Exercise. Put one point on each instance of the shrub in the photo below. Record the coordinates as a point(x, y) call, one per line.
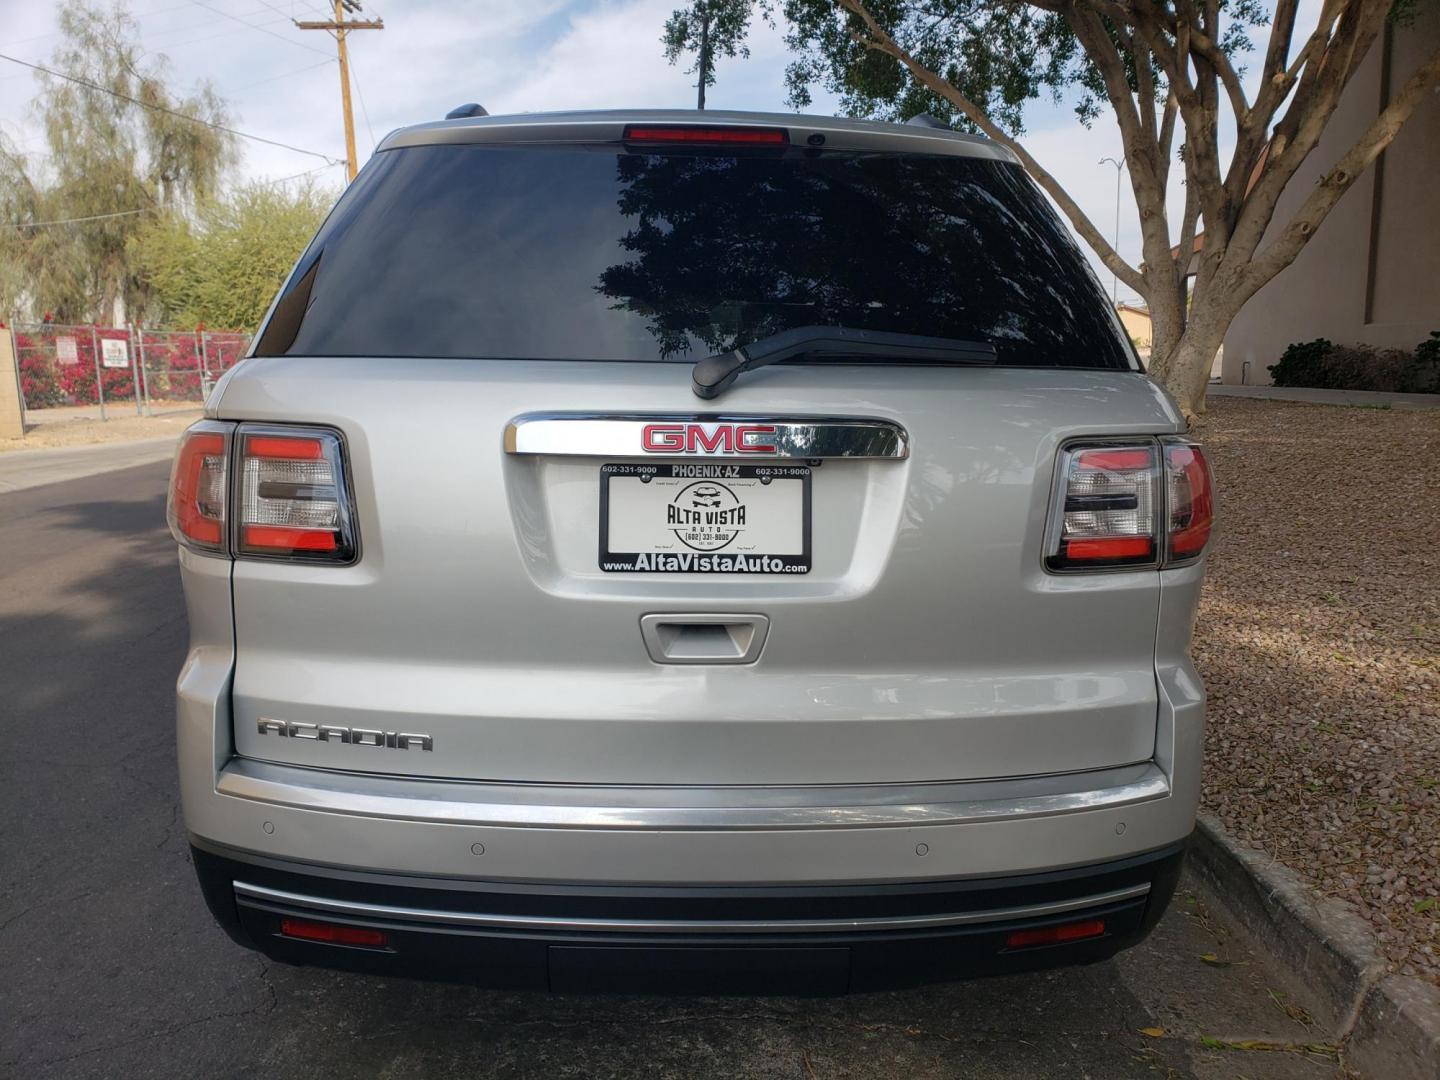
point(1425, 371)
point(1324, 365)
point(38, 382)
point(1301, 364)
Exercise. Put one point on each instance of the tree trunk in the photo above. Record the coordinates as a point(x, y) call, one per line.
point(1167, 318)
point(1185, 369)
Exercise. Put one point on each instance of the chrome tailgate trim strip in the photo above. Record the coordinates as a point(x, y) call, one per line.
point(526, 806)
point(687, 435)
point(356, 909)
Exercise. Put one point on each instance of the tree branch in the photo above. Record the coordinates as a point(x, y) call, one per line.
point(1277, 50)
point(878, 39)
point(1279, 254)
point(1202, 152)
point(1299, 130)
point(1167, 130)
point(1145, 89)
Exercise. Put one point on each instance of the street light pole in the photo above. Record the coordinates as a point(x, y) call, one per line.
point(1114, 277)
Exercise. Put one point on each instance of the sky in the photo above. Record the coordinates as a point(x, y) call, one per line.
point(509, 55)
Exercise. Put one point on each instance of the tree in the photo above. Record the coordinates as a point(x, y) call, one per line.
point(708, 28)
point(703, 229)
point(223, 265)
point(108, 154)
point(1167, 69)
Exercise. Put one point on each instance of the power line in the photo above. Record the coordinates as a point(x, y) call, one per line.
point(299, 175)
point(283, 75)
point(253, 26)
point(355, 73)
point(137, 17)
point(290, 15)
point(93, 217)
point(170, 112)
point(151, 48)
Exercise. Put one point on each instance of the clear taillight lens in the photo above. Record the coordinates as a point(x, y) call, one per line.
point(1189, 501)
point(1107, 516)
point(293, 500)
point(195, 506)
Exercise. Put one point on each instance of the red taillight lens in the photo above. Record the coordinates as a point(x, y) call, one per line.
point(1056, 935)
point(334, 934)
point(1107, 508)
point(195, 506)
point(293, 499)
point(707, 136)
point(1111, 511)
point(1190, 500)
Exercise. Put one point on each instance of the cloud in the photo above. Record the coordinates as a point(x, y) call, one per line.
point(610, 56)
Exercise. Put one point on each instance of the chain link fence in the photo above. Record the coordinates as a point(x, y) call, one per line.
point(121, 367)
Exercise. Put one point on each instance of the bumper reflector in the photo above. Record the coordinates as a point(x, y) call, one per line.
point(1055, 935)
point(333, 934)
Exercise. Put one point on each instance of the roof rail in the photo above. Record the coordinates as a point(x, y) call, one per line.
point(470, 109)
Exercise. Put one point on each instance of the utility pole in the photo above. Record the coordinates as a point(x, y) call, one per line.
point(339, 27)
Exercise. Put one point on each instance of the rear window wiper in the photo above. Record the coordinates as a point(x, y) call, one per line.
point(711, 376)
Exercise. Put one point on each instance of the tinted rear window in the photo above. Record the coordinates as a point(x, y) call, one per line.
point(593, 253)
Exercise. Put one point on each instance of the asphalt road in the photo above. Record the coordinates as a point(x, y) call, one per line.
point(110, 965)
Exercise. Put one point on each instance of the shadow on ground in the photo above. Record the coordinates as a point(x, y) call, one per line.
point(114, 968)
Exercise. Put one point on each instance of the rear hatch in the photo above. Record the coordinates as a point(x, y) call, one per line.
point(573, 570)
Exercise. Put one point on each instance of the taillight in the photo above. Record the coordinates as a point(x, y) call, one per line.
point(1113, 512)
point(1107, 503)
point(1189, 501)
point(195, 506)
point(292, 500)
point(706, 136)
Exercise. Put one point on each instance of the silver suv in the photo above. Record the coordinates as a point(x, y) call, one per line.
point(697, 551)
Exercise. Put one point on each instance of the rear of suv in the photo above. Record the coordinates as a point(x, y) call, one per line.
point(698, 551)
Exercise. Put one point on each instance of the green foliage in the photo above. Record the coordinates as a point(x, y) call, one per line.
point(106, 155)
point(1324, 365)
point(1301, 363)
point(1001, 54)
point(223, 266)
point(707, 28)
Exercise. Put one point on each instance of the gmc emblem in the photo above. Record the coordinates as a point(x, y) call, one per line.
point(708, 438)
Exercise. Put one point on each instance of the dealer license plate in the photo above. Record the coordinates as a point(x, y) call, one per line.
point(705, 519)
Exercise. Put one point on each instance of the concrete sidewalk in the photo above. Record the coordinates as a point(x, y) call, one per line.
point(21, 469)
point(1309, 395)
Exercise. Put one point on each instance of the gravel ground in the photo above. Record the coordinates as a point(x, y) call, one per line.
point(1319, 640)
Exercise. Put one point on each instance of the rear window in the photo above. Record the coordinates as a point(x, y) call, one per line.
point(593, 253)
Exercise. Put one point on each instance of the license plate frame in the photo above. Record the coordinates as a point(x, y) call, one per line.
point(723, 488)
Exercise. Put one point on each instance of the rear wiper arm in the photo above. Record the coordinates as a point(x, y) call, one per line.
point(712, 375)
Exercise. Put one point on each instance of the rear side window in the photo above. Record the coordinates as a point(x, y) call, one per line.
point(595, 253)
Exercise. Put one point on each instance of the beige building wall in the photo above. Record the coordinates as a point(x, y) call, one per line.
point(1136, 323)
point(12, 408)
point(1371, 274)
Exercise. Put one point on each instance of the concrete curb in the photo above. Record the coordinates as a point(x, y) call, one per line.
point(1390, 1024)
point(1367, 399)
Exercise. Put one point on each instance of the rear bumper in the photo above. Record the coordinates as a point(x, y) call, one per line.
point(767, 939)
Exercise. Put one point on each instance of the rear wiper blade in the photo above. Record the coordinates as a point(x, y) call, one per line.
point(712, 375)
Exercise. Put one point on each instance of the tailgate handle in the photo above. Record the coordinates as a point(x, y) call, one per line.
point(710, 638)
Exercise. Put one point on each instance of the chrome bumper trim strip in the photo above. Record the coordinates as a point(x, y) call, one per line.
point(537, 806)
point(355, 909)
